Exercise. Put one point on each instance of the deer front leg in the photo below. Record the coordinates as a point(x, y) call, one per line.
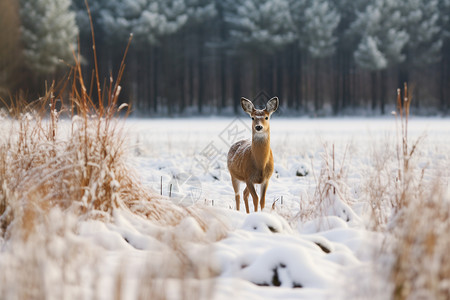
point(264, 186)
point(246, 192)
point(236, 183)
point(252, 191)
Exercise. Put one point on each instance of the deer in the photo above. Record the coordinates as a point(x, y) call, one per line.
point(251, 162)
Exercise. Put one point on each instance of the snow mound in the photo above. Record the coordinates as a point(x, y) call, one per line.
point(321, 224)
point(342, 210)
point(265, 222)
point(286, 259)
point(287, 266)
point(302, 170)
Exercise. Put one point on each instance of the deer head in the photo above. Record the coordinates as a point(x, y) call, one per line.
point(260, 117)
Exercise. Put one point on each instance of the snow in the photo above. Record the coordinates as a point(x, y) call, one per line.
point(279, 253)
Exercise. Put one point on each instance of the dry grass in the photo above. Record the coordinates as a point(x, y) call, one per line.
point(421, 268)
point(330, 185)
point(180, 274)
point(420, 225)
point(81, 167)
point(67, 151)
point(413, 213)
point(395, 178)
point(406, 179)
point(49, 263)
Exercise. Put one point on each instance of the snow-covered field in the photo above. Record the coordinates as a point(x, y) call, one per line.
point(315, 239)
point(189, 157)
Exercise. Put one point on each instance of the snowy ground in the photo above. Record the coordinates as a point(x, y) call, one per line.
point(294, 249)
point(185, 158)
point(196, 149)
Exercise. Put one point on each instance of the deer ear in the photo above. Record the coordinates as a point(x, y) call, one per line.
point(272, 105)
point(247, 105)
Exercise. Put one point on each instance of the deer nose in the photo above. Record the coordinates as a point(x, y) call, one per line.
point(258, 127)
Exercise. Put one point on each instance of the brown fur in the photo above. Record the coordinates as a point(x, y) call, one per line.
point(252, 162)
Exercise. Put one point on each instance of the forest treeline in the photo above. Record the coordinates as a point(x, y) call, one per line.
point(200, 56)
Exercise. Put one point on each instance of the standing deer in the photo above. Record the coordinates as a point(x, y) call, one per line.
point(252, 162)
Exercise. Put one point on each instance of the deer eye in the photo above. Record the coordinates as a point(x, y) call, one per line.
point(253, 118)
point(267, 118)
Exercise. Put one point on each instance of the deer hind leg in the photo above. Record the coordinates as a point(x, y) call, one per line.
point(252, 191)
point(246, 192)
point(263, 194)
point(236, 184)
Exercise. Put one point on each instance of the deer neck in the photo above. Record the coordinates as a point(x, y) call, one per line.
point(261, 149)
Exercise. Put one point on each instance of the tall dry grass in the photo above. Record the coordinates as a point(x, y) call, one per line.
point(421, 268)
point(396, 178)
point(79, 164)
point(420, 225)
point(412, 210)
point(330, 186)
point(67, 150)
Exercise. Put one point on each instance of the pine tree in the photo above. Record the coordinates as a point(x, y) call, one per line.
point(421, 22)
point(316, 23)
point(382, 22)
point(383, 39)
point(444, 22)
point(368, 56)
point(147, 20)
point(199, 11)
point(320, 22)
point(265, 25)
point(82, 18)
point(347, 42)
point(49, 34)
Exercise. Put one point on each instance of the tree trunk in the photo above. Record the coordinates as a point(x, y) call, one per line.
point(337, 71)
point(236, 84)
point(445, 79)
point(222, 56)
point(182, 75)
point(299, 81)
point(200, 84)
point(155, 79)
point(317, 100)
point(383, 90)
point(292, 80)
point(223, 81)
point(279, 74)
point(403, 75)
point(191, 81)
point(373, 89)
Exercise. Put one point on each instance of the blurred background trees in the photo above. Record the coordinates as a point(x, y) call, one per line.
point(11, 74)
point(320, 57)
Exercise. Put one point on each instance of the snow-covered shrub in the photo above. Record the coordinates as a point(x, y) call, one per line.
point(396, 177)
point(331, 196)
point(48, 264)
point(57, 175)
point(78, 165)
point(421, 264)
